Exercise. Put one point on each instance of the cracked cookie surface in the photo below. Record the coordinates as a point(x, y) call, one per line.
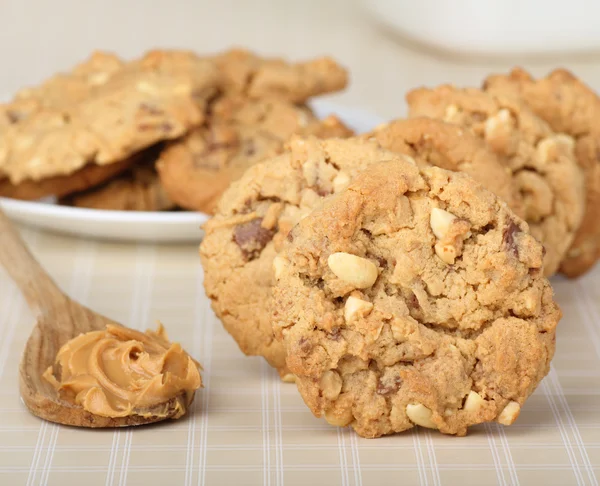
point(542, 162)
point(252, 222)
point(414, 297)
point(571, 107)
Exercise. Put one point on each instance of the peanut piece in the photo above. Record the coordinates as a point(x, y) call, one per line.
point(420, 415)
point(340, 181)
point(331, 384)
point(271, 216)
point(509, 414)
point(381, 126)
point(447, 253)
point(409, 159)
point(98, 78)
point(356, 307)
point(440, 222)
point(278, 264)
point(451, 112)
point(309, 171)
point(552, 147)
point(302, 118)
point(339, 418)
point(474, 402)
point(546, 150)
point(354, 270)
point(147, 88)
point(565, 141)
point(309, 199)
point(500, 120)
point(288, 378)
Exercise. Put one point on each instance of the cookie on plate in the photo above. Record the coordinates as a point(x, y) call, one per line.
point(58, 92)
point(542, 162)
point(452, 147)
point(251, 223)
point(102, 117)
point(137, 189)
point(238, 133)
point(414, 297)
point(571, 107)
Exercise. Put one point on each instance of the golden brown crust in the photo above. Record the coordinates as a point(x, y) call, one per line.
point(568, 106)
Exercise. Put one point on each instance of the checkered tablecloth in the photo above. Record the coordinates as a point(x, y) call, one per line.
point(249, 428)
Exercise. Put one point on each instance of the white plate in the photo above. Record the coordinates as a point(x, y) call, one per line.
point(144, 226)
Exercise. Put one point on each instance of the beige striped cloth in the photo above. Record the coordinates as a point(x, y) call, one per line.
point(249, 428)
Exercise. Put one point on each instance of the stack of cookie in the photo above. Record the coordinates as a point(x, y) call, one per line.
point(400, 277)
point(168, 130)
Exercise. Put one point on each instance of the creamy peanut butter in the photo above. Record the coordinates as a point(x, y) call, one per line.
point(118, 372)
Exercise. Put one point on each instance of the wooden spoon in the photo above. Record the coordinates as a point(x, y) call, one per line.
point(59, 319)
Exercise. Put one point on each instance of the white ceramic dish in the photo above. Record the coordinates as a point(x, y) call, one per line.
point(143, 226)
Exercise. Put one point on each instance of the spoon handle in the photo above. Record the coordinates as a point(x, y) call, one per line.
point(38, 288)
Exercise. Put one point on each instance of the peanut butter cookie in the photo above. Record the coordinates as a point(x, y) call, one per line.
point(571, 107)
point(542, 162)
point(99, 115)
point(251, 223)
point(414, 297)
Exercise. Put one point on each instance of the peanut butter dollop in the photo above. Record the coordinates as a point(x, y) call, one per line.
point(118, 372)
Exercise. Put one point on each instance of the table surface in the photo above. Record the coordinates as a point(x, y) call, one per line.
point(246, 426)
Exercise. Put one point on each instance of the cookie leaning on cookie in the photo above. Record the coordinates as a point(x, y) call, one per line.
point(571, 107)
point(414, 297)
point(542, 162)
point(261, 103)
point(251, 223)
point(100, 115)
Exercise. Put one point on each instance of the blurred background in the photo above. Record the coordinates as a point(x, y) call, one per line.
point(389, 46)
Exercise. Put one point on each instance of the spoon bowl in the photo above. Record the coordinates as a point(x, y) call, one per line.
point(58, 320)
